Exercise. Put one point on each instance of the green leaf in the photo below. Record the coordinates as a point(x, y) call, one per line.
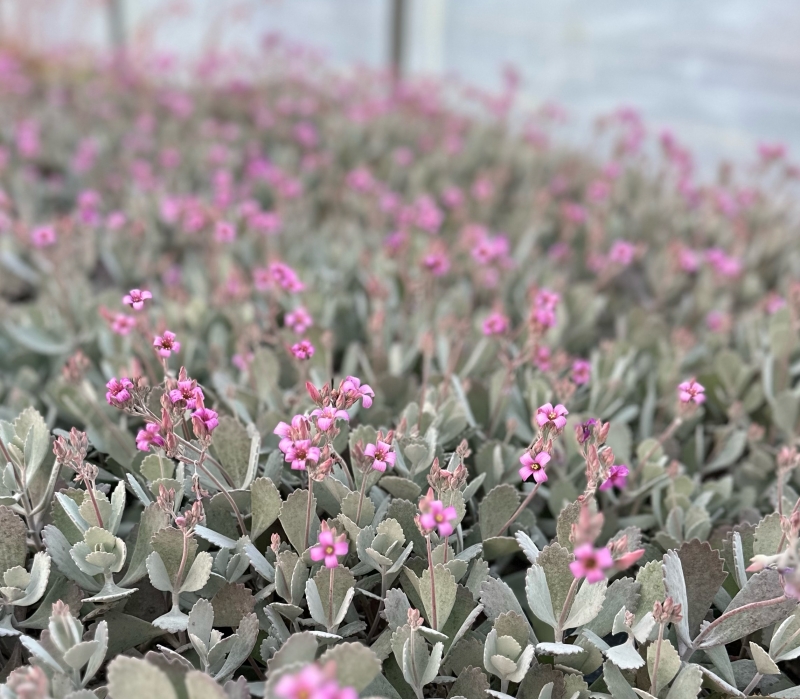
point(445, 589)
point(623, 592)
point(554, 560)
point(471, 683)
point(764, 664)
point(198, 574)
point(703, 571)
point(343, 582)
point(131, 678)
point(151, 520)
point(40, 574)
point(299, 648)
point(168, 543)
point(616, 682)
point(231, 446)
point(675, 586)
point(13, 547)
point(688, 683)
point(496, 508)
point(587, 604)
point(201, 686)
point(293, 519)
point(738, 624)
point(350, 508)
point(157, 466)
point(356, 665)
point(59, 549)
point(538, 595)
point(265, 504)
point(668, 665)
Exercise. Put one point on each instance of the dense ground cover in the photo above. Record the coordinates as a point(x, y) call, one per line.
point(315, 387)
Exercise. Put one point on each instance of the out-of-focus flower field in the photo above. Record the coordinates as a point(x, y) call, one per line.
point(318, 385)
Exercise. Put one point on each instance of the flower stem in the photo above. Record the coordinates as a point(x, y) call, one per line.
point(361, 498)
point(654, 680)
point(179, 577)
point(525, 503)
point(434, 620)
point(308, 511)
point(562, 619)
point(380, 608)
point(753, 683)
point(330, 600)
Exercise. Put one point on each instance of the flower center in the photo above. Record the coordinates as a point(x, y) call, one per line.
point(552, 416)
point(439, 518)
point(329, 550)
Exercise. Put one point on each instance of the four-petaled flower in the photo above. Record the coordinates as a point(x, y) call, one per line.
point(326, 417)
point(299, 320)
point(149, 435)
point(554, 416)
point(591, 563)
point(534, 466)
point(617, 478)
point(435, 516)
point(290, 433)
point(329, 547)
point(187, 392)
point(382, 455)
point(689, 391)
point(123, 324)
point(495, 324)
point(581, 371)
point(166, 344)
point(303, 349)
point(205, 419)
point(135, 298)
point(353, 389)
point(118, 391)
point(300, 452)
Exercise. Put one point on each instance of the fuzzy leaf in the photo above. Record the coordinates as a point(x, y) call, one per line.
point(764, 664)
point(496, 509)
point(587, 604)
point(688, 683)
point(668, 664)
point(152, 520)
point(293, 519)
point(356, 665)
point(703, 571)
point(132, 678)
point(265, 504)
point(13, 549)
point(675, 586)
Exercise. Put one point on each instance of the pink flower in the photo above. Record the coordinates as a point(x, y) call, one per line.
point(186, 394)
point(118, 391)
point(574, 213)
point(382, 455)
point(242, 361)
point(299, 320)
point(123, 324)
point(591, 563)
point(581, 371)
point(300, 452)
point(436, 516)
point(166, 344)
point(548, 415)
point(327, 416)
point(310, 683)
point(149, 435)
point(622, 252)
point(204, 421)
point(691, 391)
point(135, 298)
point(298, 430)
point(689, 260)
point(303, 349)
point(428, 216)
point(115, 220)
point(534, 466)
point(617, 478)
point(353, 389)
point(541, 358)
point(329, 547)
point(43, 236)
point(437, 262)
point(224, 232)
point(285, 277)
point(495, 324)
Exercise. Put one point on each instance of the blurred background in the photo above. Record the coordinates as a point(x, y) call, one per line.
point(724, 76)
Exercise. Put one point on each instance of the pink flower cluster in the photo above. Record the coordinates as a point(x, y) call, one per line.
point(312, 683)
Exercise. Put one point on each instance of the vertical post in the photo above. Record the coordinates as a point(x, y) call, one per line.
point(397, 38)
point(116, 25)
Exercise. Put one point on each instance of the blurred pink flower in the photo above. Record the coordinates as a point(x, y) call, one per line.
point(591, 563)
point(303, 349)
point(135, 298)
point(617, 478)
point(166, 344)
point(689, 391)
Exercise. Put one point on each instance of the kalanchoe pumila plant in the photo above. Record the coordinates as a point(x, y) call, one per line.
point(314, 386)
